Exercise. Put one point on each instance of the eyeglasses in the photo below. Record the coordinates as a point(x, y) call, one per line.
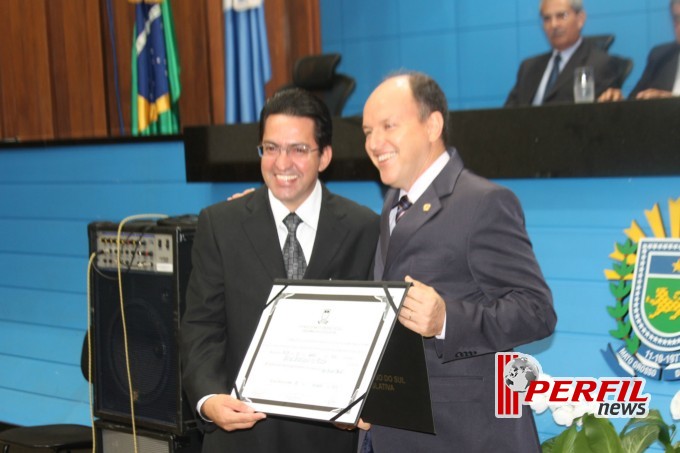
point(296, 151)
point(559, 17)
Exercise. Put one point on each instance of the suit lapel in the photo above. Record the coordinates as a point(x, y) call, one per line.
point(390, 199)
point(423, 210)
point(534, 77)
point(566, 77)
point(330, 235)
point(669, 66)
point(260, 229)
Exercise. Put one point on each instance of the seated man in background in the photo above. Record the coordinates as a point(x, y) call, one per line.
point(661, 78)
point(548, 78)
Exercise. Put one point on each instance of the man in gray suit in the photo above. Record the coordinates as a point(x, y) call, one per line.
point(238, 252)
point(549, 78)
point(661, 76)
point(477, 288)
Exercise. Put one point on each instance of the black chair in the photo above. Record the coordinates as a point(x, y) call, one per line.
point(316, 73)
point(602, 42)
point(624, 67)
point(62, 438)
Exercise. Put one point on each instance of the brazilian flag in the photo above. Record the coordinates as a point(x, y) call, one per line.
point(155, 70)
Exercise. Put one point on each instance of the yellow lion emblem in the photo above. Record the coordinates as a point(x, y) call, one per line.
point(664, 304)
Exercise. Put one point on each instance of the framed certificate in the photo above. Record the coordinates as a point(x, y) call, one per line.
point(317, 347)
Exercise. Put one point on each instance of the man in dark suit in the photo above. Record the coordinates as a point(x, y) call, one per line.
point(478, 289)
point(661, 78)
point(549, 78)
point(237, 253)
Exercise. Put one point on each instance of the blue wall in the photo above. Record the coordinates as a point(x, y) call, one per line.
point(48, 196)
point(472, 48)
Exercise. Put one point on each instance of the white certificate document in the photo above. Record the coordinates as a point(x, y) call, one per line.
point(317, 347)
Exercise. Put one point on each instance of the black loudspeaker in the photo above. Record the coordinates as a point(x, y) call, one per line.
point(155, 263)
point(117, 438)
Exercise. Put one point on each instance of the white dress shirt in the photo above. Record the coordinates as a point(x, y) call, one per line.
point(676, 85)
point(417, 189)
point(308, 211)
point(565, 55)
point(421, 184)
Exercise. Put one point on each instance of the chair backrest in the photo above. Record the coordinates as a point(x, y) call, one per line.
point(602, 42)
point(316, 73)
point(624, 67)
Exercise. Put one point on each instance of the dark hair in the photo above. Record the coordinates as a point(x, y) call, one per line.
point(429, 97)
point(301, 103)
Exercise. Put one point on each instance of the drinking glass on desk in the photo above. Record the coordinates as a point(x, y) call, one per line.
point(584, 84)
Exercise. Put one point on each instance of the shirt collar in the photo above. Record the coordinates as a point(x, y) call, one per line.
point(308, 211)
point(566, 54)
point(423, 182)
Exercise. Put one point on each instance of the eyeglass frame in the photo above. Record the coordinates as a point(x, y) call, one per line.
point(559, 17)
point(297, 155)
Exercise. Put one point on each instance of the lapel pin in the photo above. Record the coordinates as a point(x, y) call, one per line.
point(426, 207)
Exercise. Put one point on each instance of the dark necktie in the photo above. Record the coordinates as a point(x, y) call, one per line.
point(554, 73)
point(402, 206)
point(293, 258)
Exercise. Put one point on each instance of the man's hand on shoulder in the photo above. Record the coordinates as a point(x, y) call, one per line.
point(240, 194)
point(229, 413)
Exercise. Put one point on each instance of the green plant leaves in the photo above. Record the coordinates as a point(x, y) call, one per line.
point(599, 436)
point(564, 443)
point(654, 419)
point(639, 439)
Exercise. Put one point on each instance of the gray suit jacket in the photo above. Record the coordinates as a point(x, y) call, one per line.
point(659, 73)
point(236, 256)
point(531, 71)
point(471, 245)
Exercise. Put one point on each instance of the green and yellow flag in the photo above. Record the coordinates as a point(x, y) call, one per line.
point(155, 70)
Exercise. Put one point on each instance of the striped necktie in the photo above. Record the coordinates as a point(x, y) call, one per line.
point(402, 206)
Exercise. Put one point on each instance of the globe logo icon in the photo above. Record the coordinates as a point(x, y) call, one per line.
point(519, 373)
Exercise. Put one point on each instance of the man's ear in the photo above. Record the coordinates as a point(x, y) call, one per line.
point(325, 158)
point(435, 126)
point(581, 15)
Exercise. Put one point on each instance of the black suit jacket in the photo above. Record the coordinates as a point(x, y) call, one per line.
point(662, 64)
point(236, 256)
point(465, 237)
point(531, 71)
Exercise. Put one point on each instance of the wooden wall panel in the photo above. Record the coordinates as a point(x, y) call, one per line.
point(117, 28)
point(65, 65)
point(77, 68)
point(25, 85)
point(293, 31)
point(192, 44)
point(305, 36)
point(215, 29)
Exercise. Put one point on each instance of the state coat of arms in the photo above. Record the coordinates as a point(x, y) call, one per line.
point(645, 280)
